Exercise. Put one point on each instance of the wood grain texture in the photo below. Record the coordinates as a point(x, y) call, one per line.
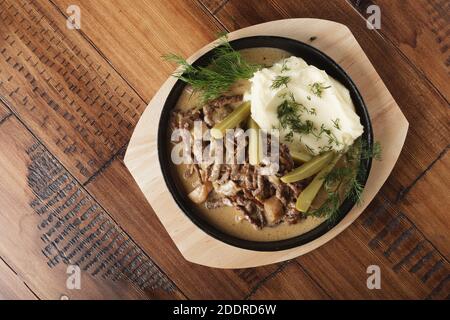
point(132, 210)
point(342, 272)
point(51, 222)
point(429, 125)
point(4, 112)
point(384, 243)
point(421, 30)
point(404, 248)
point(424, 204)
point(11, 286)
point(133, 35)
point(61, 88)
point(291, 282)
point(214, 5)
point(80, 93)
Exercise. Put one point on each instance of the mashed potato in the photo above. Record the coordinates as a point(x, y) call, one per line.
point(313, 111)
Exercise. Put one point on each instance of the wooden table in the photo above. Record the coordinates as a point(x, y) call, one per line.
point(69, 100)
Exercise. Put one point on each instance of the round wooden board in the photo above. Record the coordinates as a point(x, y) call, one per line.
point(389, 124)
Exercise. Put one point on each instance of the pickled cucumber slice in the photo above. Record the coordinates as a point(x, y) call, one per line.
point(299, 156)
point(309, 168)
point(308, 195)
point(238, 115)
point(253, 142)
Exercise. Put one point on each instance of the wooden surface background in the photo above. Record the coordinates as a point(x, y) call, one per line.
point(69, 100)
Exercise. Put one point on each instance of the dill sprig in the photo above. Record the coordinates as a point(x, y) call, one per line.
point(361, 149)
point(374, 152)
point(284, 66)
point(227, 66)
point(289, 114)
point(329, 209)
point(280, 81)
point(317, 88)
point(336, 123)
point(349, 177)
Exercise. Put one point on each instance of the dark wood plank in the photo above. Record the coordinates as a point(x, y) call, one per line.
point(11, 286)
point(404, 248)
point(343, 271)
point(382, 236)
point(62, 89)
point(131, 210)
point(133, 35)
point(48, 221)
point(428, 202)
point(4, 112)
point(421, 30)
point(214, 5)
point(291, 282)
point(428, 125)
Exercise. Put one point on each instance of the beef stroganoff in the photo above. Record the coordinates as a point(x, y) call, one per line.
point(265, 145)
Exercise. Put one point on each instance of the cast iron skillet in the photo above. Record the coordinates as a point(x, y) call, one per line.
point(311, 56)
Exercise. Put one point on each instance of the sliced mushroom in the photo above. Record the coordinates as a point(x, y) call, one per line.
point(273, 210)
point(227, 189)
point(215, 172)
point(200, 194)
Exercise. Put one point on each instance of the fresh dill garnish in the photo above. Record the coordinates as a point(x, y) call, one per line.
point(317, 88)
point(324, 130)
point(329, 209)
point(227, 66)
point(284, 66)
point(323, 149)
point(283, 95)
point(310, 150)
point(374, 152)
point(280, 81)
point(289, 114)
point(355, 190)
point(336, 175)
point(331, 136)
point(308, 97)
point(349, 177)
point(337, 124)
point(332, 139)
point(289, 136)
point(361, 150)
point(345, 181)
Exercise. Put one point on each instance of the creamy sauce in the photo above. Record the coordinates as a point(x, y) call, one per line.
point(224, 218)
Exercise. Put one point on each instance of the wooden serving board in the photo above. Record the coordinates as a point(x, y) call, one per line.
point(389, 125)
